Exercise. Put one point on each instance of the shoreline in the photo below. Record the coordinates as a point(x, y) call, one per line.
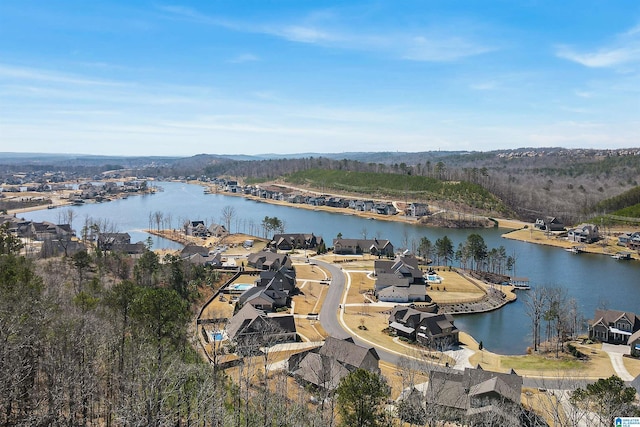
point(538, 237)
point(511, 224)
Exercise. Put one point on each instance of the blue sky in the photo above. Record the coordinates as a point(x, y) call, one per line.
point(251, 77)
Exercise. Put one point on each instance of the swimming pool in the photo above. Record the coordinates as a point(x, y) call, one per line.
point(240, 286)
point(216, 336)
point(434, 278)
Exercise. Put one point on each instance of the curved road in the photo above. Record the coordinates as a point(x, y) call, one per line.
point(330, 321)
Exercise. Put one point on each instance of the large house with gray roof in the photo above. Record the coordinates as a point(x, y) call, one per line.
point(268, 260)
point(431, 330)
point(474, 396)
point(325, 366)
point(251, 329)
point(400, 280)
point(378, 247)
point(613, 327)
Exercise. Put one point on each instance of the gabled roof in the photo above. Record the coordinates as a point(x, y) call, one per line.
point(607, 317)
point(193, 249)
point(321, 370)
point(346, 351)
point(454, 388)
point(243, 318)
point(636, 384)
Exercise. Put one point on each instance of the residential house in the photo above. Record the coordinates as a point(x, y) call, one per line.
point(418, 209)
point(584, 233)
point(403, 294)
point(549, 223)
point(55, 247)
point(107, 241)
point(362, 205)
point(385, 209)
point(217, 230)
point(363, 246)
point(403, 271)
point(634, 242)
point(326, 366)
point(191, 249)
point(272, 290)
point(251, 328)
point(195, 228)
point(428, 329)
point(267, 260)
point(613, 327)
point(474, 396)
point(400, 280)
point(287, 242)
point(212, 259)
point(634, 344)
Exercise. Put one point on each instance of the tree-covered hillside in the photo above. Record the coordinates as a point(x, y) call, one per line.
point(399, 186)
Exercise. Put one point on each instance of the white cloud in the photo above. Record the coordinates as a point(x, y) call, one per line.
point(429, 44)
point(624, 50)
point(21, 73)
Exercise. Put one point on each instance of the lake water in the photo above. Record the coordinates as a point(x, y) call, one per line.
point(593, 280)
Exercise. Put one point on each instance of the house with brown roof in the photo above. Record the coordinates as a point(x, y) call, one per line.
point(326, 366)
point(613, 327)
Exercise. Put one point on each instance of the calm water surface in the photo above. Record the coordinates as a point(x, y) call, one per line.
point(593, 280)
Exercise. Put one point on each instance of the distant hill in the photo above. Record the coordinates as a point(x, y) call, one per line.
point(533, 182)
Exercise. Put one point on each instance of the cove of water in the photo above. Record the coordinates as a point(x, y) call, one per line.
point(593, 280)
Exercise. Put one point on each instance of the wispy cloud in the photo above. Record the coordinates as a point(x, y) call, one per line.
point(327, 30)
point(244, 57)
point(21, 73)
point(624, 50)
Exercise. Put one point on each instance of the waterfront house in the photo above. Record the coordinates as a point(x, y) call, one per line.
point(634, 343)
point(378, 247)
point(584, 233)
point(327, 365)
point(403, 294)
point(418, 209)
point(550, 223)
point(217, 230)
point(399, 280)
point(195, 229)
point(107, 241)
point(634, 242)
point(613, 327)
point(289, 241)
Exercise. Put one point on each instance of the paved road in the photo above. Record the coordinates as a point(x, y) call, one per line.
point(332, 309)
point(330, 321)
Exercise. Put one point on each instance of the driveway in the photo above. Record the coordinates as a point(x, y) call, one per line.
point(616, 354)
